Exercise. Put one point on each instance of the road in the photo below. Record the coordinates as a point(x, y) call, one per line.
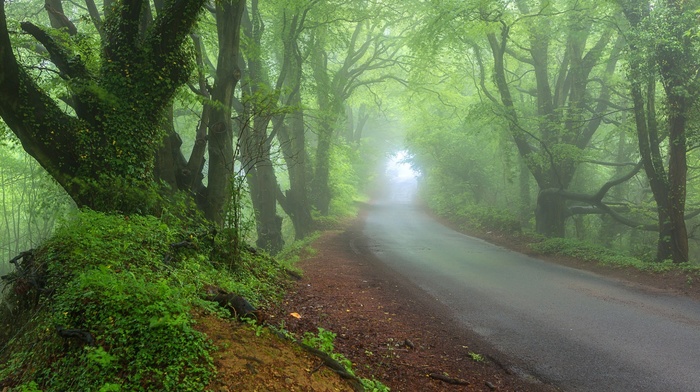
point(574, 329)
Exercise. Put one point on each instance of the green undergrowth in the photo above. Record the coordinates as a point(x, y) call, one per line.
point(469, 216)
point(605, 256)
point(324, 341)
point(131, 284)
point(293, 252)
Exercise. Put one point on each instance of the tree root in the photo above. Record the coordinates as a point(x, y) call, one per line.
point(326, 359)
point(335, 366)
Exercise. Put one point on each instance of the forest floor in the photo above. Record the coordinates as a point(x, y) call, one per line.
point(388, 328)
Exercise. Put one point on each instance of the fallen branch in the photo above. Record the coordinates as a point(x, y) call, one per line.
point(237, 305)
point(449, 380)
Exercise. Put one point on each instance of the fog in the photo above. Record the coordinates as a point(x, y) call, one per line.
point(402, 178)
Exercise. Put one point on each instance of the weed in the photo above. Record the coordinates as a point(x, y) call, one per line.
point(257, 327)
point(476, 357)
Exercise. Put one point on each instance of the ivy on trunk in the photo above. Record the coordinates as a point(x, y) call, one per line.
point(101, 150)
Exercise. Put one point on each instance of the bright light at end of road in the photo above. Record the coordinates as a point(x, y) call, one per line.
point(398, 169)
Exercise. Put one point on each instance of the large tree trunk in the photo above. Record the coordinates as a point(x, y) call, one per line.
point(102, 156)
point(295, 201)
point(321, 186)
point(677, 174)
point(550, 215)
point(328, 117)
point(221, 156)
point(674, 60)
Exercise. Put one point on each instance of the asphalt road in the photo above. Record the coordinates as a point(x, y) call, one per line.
point(574, 329)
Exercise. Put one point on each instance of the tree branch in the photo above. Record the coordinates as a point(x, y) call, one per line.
point(71, 67)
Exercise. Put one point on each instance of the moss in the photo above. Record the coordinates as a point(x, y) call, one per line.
point(119, 279)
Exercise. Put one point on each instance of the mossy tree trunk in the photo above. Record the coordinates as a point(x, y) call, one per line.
point(102, 151)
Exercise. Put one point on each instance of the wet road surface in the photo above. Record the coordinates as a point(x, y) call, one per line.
point(574, 329)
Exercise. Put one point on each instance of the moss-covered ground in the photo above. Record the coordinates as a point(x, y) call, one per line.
point(118, 303)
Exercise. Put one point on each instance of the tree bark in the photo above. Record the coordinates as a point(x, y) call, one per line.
point(673, 59)
point(103, 156)
point(221, 155)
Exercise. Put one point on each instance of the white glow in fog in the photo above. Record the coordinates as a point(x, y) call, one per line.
point(402, 179)
point(398, 169)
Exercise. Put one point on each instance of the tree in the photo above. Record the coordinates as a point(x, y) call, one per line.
point(568, 109)
point(257, 109)
point(291, 129)
point(215, 131)
point(664, 43)
point(101, 150)
point(368, 57)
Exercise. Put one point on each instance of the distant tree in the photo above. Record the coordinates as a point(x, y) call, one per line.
point(290, 129)
point(351, 49)
point(259, 105)
point(570, 103)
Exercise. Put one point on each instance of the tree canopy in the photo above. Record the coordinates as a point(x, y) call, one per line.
point(577, 117)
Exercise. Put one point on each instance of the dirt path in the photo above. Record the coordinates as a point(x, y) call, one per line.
point(390, 329)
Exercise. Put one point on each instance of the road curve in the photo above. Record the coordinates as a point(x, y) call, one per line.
point(574, 329)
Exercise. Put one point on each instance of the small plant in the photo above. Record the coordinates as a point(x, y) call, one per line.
point(29, 387)
point(374, 386)
point(259, 328)
point(324, 342)
point(476, 357)
point(100, 357)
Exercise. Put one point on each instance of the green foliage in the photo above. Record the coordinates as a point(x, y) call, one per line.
point(29, 387)
point(605, 256)
point(292, 252)
point(146, 326)
point(476, 357)
point(458, 209)
point(343, 181)
point(374, 385)
point(119, 278)
point(323, 341)
point(239, 222)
